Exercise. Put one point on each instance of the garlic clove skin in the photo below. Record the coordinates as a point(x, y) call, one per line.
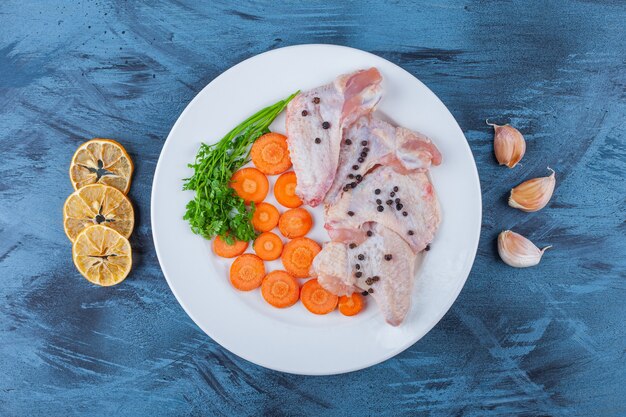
point(533, 195)
point(508, 144)
point(517, 251)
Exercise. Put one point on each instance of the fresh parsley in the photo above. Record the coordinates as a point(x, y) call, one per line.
point(216, 209)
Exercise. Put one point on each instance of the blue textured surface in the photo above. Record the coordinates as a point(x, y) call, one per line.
point(549, 340)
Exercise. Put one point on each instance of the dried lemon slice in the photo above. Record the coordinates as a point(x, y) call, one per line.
point(102, 161)
point(102, 255)
point(98, 204)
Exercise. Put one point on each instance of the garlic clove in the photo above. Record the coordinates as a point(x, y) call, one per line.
point(533, 195)
point(508, 144)
point(517, 251)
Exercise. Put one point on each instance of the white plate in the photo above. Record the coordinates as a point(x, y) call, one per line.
point(294, 340)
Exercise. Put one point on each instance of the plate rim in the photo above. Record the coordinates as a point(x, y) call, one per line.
point(436, 318)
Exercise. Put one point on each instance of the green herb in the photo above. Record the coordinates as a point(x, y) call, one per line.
point(216, 209)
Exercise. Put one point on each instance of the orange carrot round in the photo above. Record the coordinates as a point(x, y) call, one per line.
point(250, 184)
point(285, 190)
point(270, 154)
point(265, 217)
point(268, 246)
point(316, 299)
point(295, 223)
point(298, 256)
point(247, 272)
point(280, 289)
point(350, 305)
point(223, 249)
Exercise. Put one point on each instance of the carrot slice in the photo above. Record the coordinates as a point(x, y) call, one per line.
point(295, 223)
point(268, 246)
point(223, 249)
point(298, 256)
point(351, 305)
point(285, 190)
point(250, 184)
point(280, 289)
point(270, 154)
point(265, 217)
point(247, 272)
point(316, 299)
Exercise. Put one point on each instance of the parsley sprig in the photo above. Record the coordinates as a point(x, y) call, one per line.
point(216, 209)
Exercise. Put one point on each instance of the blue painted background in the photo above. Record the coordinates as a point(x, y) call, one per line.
point(549, 340)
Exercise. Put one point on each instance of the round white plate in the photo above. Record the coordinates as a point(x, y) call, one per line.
point(294, 340)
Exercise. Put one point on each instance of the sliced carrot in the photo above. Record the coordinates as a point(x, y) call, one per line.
point(268, 246)
point(247, 272)
point(351, 305)
point(285, 190)
point(295, 223)
point(270, 154)
point(298, 256)
point(250, 184)
point(265, 217)
point(223, 249)
point(280, 289)
point(316, 299)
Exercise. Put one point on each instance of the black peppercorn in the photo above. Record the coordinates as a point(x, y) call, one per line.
point(389, 202)
point(364, 293)
point(370, 290)
point(392, 194)
point(318, 140)
point(395, 189)
point(352, 245)
point(316, 100)
point(353, 184)
point(388, 257)
point(369, 281)
point(304, 112)
point(377, 191)
point(363, 154)
point(380, 208)
point(410, 232)
point(379, 201)
point(346, 187)
point(355, 167)
point(350, 176)
point(325, 125)
point(357, 266)
point(366, 149)
point(361, 160)
point(358, 274)
point(369, 233)
point(361, 257)
point(404, 213)
point(375, 278)
point(399, 207)
point(350, 213)
point(348, 142)
point(364, 143)
point(359, 177)
point(427, 248)
point(397, 200)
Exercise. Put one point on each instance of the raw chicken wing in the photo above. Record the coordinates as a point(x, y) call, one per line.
point(315, 123)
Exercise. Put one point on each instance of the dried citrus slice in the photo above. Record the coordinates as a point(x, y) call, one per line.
point(102, 255)
point(98, 204)
point(102, 161)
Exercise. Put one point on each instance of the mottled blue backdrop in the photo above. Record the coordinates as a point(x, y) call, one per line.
point(549, 340)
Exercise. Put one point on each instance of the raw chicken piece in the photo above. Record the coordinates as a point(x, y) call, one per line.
point(370, 142)
point(315, 123)
point(332, 269)
point(387, 269)
point(398, 193)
